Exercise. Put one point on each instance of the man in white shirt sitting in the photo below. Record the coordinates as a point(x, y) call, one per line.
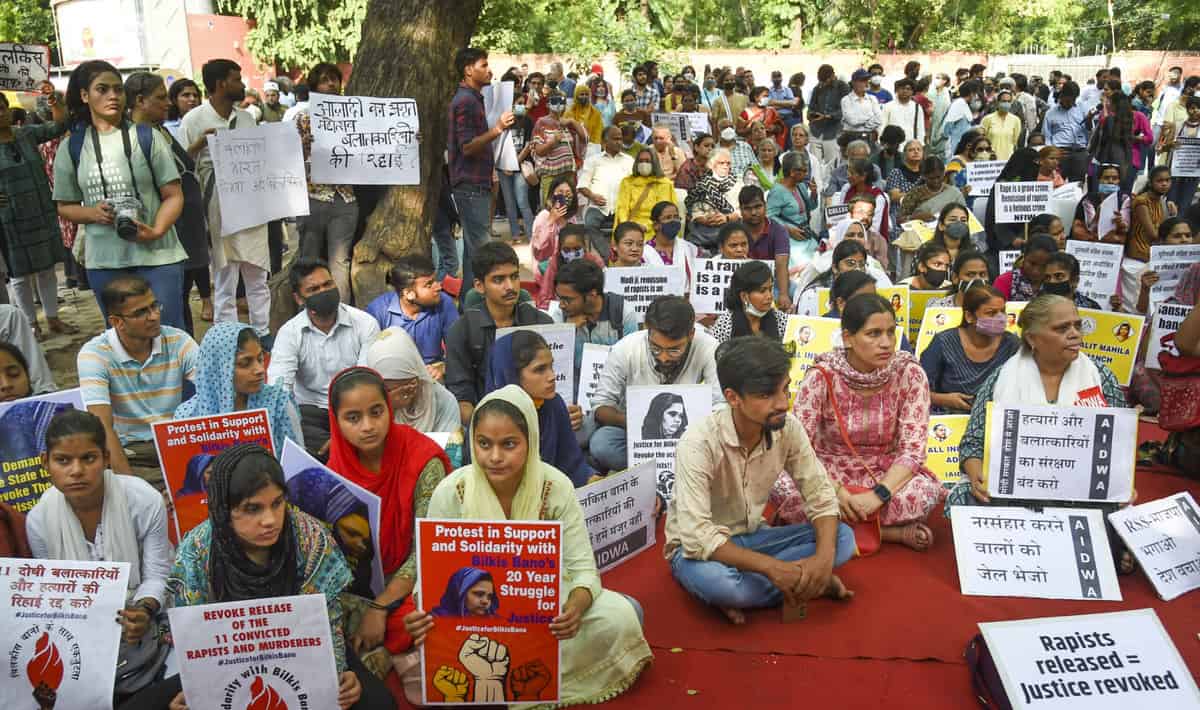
point(600, 181)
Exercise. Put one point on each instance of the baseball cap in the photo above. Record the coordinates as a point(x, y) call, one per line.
point(860, 75)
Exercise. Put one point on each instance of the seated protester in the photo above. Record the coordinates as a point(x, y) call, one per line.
point(862, 211)
point(94, 514)
point(1047, 223)
point(642, 190)
point(629, 245)
point(802, 143)
point(1025, 279)
point(718, 545)
point(925, 200)
point(973, 146)
point(1048, 160)
point(712, 201)
point(1048, 369)
point(227, 559)
point(668, 352)
point(523, 358)
point(733, 241)
point(400, 465)
point(1172, 231)
point(417, 304)
point(599, 180)
point(602, 647)
point(560, 209)
point(749, 306)
point(845, 287)
point(670, 156)
point(877, 446)
point(768, 239)
point(859, 186)
point(848, 255)
point(16, 332)
point(958, 360)
point(761, 173)
point(318, 342)
point(888, 156)
point(906, 176)
point(696, 166)
point(600, 318)
point(791, 204)
point(417, 399)
point(969, 269)
point(132, 375)
point(953, 229)
point(574, 244)
point(666, 246)
point(1086, 226)
point(498, 276)
point(1060, 277)
point(852, 149)
point(930, 268)
point(1150, 207)
point(14, 374)
point(1021, 167)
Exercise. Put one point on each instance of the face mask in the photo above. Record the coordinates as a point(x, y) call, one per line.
point(670, 230)
point(645, 169)
point(729, 86)
point(519, 110)
point(582, 101)
point(991, 325)
point(629, 106)
point(964, 286)
point(958, 231)
point(1105, 188)
point(976, 105)
point(1062, 288)
point(558, 106)
point(750, 310)
point(572, 254)
point(689, 76)
point(323, 304)
point(935, 277)
point(764, 102)
point(1004, 106)
point(710, 85)
point(728, 134)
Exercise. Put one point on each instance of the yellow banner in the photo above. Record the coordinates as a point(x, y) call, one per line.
point(1111, 338)
point(1012, 311)
point(941, 448)
point(918, 301)
point(935, 321)
point(924, 230)
point(806, 337)
point(898, 295)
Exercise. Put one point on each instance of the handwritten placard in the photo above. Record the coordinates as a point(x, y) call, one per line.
point(619, 513)
point(259, 175)
point(1163, 326)
point(658, 417)
point(363, 140)
point(1008, 259)
point(591, 365)
point(560, 337)
point(23, 67)
point(941, 446)
point(23, 424)
point(981, 174)
point(639, 285)
point(1185, 159)
point(712, 279)
point(1170, 262)
point(1099, 268)
point(1019, 202)
point(1164, 536)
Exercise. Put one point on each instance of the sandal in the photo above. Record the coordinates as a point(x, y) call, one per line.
point(60, 327)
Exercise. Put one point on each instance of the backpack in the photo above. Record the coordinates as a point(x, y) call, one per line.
point(145, 139)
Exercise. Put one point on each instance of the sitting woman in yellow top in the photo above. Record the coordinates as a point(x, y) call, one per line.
point(642, 190)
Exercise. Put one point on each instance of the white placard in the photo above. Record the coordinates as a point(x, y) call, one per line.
point(1060, 453)
point(681, 129)
point(498, 98)
point(1008, 258)
point(1170, 262)
point(363, 140)
point(658, 417)
point(59, 631)
point(259, 653)
point(1163, 326)
point(561, 339)
point(591, 365)
point(1057, 553)
point(1099, 268)
point(441, 438)
point(23, 67)
point(698, 123)
point(1019, 202)
point(712, 279)
point(1115, 661)
point(1107, 219)
point(835, 215)
point(981, 174)
point(1164, 536)
point(1185, 158)
point(619, 513)
point(639, 285)
point(259, 175)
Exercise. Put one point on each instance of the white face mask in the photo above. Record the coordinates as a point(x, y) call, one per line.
point(750, 310)
point(645, 169)
point(728, 134)
point(764, 102)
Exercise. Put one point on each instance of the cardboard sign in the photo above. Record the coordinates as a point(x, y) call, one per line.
point(1019, 202)
point(1185, 159)
point(259, 173)
point(59, 640)
point(1099, 268)
point(363, 140)
point(898, 295)
point(1055, 553)
point(1163, 325)
point(1164, 536)
point(186, 448)
point(711, 280)
point(806, 337)
point(1078, 453)
point(1112, 338)
point(1113, 661)
point(561, 339)
point(981, 174)
point(935, 321)
point(658, 416)
point(493, 588)
point(23, 67)
point(259, 653)
point(941, 447)
point(23, 425)
point(619, 513)
point(592, 364)
point(1170, 262)
point(918, 301)
point(350, 511)
point(639, 285)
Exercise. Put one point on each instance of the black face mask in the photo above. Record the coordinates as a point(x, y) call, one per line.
point(1062, 288)
point(324, 303)
point(935, 277)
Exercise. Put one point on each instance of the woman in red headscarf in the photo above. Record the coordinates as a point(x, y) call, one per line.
point(400, 465)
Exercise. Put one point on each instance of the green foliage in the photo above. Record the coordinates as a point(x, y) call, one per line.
point(26, 22)
point(299, 33)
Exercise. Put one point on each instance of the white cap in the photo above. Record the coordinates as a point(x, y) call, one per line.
point(270, 86)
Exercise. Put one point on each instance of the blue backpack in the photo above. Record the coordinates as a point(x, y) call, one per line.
point(145, 139)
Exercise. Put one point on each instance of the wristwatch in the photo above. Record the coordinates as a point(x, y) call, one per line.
point(882, 491)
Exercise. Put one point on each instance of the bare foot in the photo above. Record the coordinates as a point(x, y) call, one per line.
point(918, 536)
point(206, 310)
point(736, 616)
point(837, 590)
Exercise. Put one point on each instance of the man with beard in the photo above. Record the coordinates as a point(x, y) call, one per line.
point(668, 352)
point(718, 546)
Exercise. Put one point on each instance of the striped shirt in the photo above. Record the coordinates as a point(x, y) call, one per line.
point(140, 393)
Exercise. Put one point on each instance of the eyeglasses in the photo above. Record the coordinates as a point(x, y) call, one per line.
point(142, 313)
point(671, 352)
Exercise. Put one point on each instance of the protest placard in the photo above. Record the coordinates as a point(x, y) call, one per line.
point(186, 449)
point(935, 321)
point(712, 279)
point(836, 214)
point(1012, 311)
point(493, 588)
point(698, 123)
point(619, 513)
point(259, 175)
point(1170, 262)
point(1185, 159)
point(272, 653)
point(981, 174)
point(591, 365)
point(1164, 536)
point(497, 99)
point(658, 417)
point(918, 301)
point(806, 337)
point(1019, 202)
point(350, 511)
point(1114, 661)
point(23, 425)
point(1112, 338)
point(941, 446)
point(441, 438)
point(681, 128)
point(639, 285)
point(898, 295)
point(1055, 553)
point(561, 339)
point(23, 67)
point(1072, 453)
point(1063, 202)
point(1099, 268)
point(364, 140)
point(1163, 325)
point(60, 642)
point(1008, 259)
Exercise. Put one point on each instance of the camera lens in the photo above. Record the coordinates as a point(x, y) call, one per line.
point(126, 229)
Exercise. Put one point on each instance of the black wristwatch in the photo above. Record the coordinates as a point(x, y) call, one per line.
point(882, 491)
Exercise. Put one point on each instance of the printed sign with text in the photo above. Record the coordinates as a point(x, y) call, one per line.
point(23, 424)
point(639, 285)
point(1019, 202)
point(941, 448)
point(23, 67)
point(589, 372)
point(712, 280)
point(658, 415)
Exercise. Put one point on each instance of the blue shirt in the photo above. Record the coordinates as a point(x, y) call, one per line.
point(1063, 127)
point(428, 329)
point(882, 96)
point(783, 93)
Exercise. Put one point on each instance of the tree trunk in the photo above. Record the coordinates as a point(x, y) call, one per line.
point(796, 37)
point(407, 50)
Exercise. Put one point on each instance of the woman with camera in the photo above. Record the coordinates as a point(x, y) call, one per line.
point(119, 180)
